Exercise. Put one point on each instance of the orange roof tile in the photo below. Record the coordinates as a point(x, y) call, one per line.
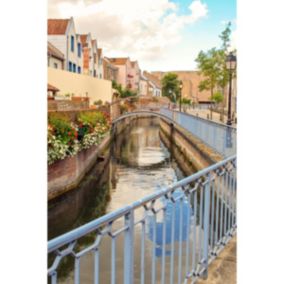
point(57, 26)
point(119, 61)
point(83, 39)
point(52, 88)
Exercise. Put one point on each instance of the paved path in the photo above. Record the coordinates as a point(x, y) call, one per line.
point(222, 270)
point(205, 112)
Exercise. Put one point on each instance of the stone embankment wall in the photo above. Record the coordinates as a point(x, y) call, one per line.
point(188, 150)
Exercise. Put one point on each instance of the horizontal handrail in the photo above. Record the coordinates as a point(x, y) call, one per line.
point(93, 225)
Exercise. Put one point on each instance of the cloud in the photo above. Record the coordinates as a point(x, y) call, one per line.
point(143, 30)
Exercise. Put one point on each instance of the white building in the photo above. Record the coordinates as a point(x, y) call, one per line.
point(143, 86)
point(55, 58)
point(62, 34)
point(88, 54)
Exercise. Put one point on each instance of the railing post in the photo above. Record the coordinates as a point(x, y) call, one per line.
point(128, 249)
point(206, 225)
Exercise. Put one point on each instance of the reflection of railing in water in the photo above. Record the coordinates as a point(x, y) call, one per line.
point(192, 220)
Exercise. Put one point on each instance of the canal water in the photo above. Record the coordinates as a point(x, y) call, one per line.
point(136, 165)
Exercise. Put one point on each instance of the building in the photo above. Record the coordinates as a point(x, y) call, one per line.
point(190, 90)
point(143, 86)
point(135, 73)
point(154, 87)
point(95, 55)
point(124, 71)
point(88, 54)
point(110, 71)
point(99, 59)
point(62, 35)
point(55, 58)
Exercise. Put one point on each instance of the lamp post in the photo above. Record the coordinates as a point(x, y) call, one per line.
point(180, 89)
point(230, 65)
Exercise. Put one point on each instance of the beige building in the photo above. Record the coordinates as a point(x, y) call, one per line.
point(55, 58)
point(62, 35)
point(143, 86)
point(110, 71)
point(135, 73)
point(79, 85)
point(190, 80)
point(154, 87)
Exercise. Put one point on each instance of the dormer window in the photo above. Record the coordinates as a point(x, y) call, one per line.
point(72, 43)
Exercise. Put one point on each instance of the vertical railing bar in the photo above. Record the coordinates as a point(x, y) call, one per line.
point(230, 203)
point(164, 247)
point(194, 234)
point(54, 278)
point(218, 179)
point(172, 244)
point(187, 268)
point(235, 198)
point(77, 271)
point(180, 239)
point(154, 250)
point(222, 184)
point(226, 207)
point(113, 260)
point(212, 216)
point(128, 248)
point(206, 223)
point(200, 223)
point(97, 266)
point(143, 232)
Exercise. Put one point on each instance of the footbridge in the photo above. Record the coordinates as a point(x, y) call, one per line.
point(184, 227)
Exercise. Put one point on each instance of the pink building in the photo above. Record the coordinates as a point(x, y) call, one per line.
point(128, 72)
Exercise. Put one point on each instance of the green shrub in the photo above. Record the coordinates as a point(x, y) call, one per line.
point(91, 118)
point(63, 129)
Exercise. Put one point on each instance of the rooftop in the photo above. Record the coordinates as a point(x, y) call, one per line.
point(57, 26)
point(119, 60)
point(55, 52)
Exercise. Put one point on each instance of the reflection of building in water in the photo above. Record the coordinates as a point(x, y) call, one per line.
point(181, 212)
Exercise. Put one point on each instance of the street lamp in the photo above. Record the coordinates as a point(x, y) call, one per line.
point(180, 89)
point(231, 61)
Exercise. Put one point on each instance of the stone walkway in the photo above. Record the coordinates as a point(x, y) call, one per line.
point(205, 113)
point(222, 270)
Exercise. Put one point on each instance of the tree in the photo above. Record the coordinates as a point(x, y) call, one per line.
point(170, 86)
point(212, 65)
point(217, 97)
point(123, 92)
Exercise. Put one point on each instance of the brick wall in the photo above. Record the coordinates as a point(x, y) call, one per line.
point(65, 174)
point(63, 105)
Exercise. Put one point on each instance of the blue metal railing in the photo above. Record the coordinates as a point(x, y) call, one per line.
point(219, 136)
point(172, 234)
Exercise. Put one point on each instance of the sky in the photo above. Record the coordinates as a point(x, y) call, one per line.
point(162, 35)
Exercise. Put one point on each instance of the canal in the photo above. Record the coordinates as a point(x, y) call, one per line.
point(136, 164)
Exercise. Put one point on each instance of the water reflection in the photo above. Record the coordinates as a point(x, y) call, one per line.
point(139, 164)
point(176, 214)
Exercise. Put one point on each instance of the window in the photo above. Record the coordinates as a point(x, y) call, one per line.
point(70, 66)
point(79, 69)
point(79, 49)
point(55, 65)
point(72, 43)
point(94, 73)
point(74, 67)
